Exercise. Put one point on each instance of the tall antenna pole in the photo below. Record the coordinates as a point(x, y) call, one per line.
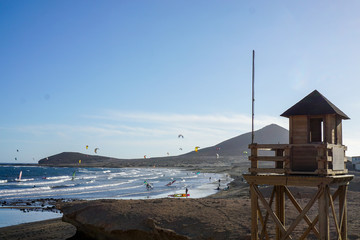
point(253, 97)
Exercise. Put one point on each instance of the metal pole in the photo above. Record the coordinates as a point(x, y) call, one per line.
point(253, 97)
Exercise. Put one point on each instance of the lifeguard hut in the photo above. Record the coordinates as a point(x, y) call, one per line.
point(314, 157)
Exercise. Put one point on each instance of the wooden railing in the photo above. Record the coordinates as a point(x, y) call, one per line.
point(317, 158)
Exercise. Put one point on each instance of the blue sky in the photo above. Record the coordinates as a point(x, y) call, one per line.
point(129, 76)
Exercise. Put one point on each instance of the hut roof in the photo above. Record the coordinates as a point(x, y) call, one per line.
point(314, 104)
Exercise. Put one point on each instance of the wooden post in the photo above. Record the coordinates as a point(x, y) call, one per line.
point(254, 152)
point(343, 213)
point(279, 153)
point(280, 208)
point(324, 214)
point(287, 161)
point(254, 213)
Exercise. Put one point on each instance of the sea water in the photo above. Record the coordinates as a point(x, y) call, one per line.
point(95, 183)
point(39, 182)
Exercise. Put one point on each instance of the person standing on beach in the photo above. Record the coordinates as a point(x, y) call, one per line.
point(186, 191)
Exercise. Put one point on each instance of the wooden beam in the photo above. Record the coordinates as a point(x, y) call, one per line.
point(297, 180)
point(267, 214)
point(343, 210)
point(324, 214)
point(269, 146)
point(268, 208)
point(280, 208)
point(269, 158)
point(302, 214)
point(315, 221)
point(333, 213)
point(263, 224)
point(266, 170)
point(254, 163)
point(311, 226)
point(254, 213)
point(299, 208)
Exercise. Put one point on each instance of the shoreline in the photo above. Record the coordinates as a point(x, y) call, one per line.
point(238, 192)
point(48, 204)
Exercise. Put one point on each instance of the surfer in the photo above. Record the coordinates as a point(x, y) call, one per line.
point(148, 186)
point(73, 176)
point(186, 191)
point(171, 183)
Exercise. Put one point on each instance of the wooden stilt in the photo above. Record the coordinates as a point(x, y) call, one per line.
point(334, 214)
point(264, 231)
point(320, 225)
point(316, 220)
point(343, 211)
point(262, 222)
point(269, 210)
point(280, 208)
point(324, 214)
point(254, 213)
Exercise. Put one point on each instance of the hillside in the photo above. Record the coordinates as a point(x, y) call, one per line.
point(237, 145)
point(230, 151)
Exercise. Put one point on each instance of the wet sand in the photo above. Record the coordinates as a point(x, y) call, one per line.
point(43, 230)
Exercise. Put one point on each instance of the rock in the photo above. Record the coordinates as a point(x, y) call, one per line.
point(177, 219)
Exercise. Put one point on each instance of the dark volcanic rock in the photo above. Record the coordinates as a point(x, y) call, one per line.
point(158, 219)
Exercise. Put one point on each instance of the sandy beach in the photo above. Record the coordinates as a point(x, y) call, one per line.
point(228, 213)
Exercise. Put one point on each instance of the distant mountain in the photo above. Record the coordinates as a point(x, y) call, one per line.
point(72, 158)
point(230, 149)
point(237, 145)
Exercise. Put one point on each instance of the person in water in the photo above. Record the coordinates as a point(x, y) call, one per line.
point(186, 191)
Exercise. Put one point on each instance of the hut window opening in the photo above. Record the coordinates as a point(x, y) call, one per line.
point(316, 133)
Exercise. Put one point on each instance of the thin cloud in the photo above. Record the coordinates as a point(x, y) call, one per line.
point(145, 124)
point(223, 121)
point(132, 134)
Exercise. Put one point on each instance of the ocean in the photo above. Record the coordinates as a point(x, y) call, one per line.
point(39, 182)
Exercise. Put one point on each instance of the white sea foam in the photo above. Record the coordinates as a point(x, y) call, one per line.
point(58, 177)
point(95, 183)
point(24, 179)
point(45, 182)
point(88, 177)
point(15, 192)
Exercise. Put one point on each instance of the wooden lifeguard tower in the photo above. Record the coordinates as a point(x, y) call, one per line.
point(314, 157)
